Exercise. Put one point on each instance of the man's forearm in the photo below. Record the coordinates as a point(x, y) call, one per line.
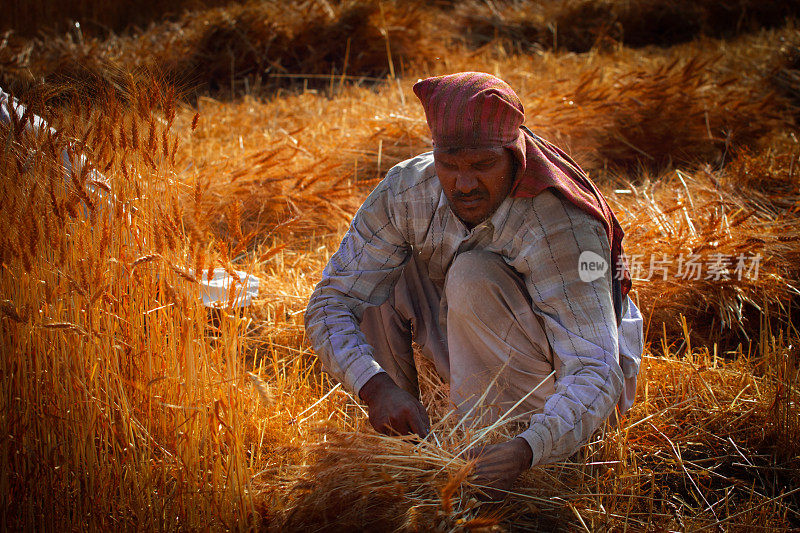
point(338, 341)
point(569, 418)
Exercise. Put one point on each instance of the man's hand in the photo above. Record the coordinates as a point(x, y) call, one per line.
point(393, 411)
point(499, 465)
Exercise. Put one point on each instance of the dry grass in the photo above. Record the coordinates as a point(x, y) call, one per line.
point(128, 406)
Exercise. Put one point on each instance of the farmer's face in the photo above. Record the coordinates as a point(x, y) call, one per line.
point(475, 180)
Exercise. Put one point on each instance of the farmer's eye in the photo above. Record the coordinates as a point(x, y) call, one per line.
point(484, 165)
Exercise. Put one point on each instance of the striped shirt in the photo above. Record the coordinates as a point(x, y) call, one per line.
point(541, 238)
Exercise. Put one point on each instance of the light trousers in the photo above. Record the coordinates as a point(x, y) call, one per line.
point(490, 336)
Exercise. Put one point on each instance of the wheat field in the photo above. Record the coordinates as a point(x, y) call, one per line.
point(244, 135)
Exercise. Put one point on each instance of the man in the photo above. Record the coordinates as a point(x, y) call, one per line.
point(477, 249)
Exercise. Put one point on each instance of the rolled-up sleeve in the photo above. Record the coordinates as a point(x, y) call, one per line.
point(360, 274)
point(580, 325)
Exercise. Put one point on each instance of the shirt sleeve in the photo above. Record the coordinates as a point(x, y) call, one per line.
point(359, 275)
point(579, 322)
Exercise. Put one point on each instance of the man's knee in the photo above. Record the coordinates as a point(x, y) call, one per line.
point(472, 276)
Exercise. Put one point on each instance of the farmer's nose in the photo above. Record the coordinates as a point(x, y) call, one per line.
point(466, 182)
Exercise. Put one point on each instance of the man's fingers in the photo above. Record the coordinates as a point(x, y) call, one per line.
point(474, 453)
point(406, 416)
point(401, 423)
point(411, 418)
point(404, 426)
point(419, 426)
point(421, 423)
point(388, 426)
point(380, 427)
point(489, 461)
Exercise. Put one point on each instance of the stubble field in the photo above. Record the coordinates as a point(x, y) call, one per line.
point(244, 136)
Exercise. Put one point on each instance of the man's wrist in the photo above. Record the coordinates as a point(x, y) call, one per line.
point(535, 438)
point(526, 453)
point(370, 389)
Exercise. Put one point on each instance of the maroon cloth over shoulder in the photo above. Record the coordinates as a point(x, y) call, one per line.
point(478, 110)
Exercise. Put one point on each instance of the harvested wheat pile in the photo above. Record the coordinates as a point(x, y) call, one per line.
point(240, 48)
point(683, 112)
point(714, 254)
point(583, 25)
